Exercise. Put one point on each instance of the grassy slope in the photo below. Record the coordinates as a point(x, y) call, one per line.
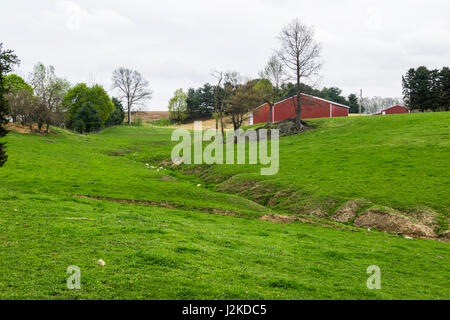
point(400, 161)
point(160, 253)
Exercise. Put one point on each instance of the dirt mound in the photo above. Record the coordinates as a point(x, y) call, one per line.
point(383, 220)
point(288, 127)
point(349, 210)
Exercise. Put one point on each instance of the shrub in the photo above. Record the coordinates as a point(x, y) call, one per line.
point(137, 122)
point(87, 119)
point(161, 122)
point(77, 96)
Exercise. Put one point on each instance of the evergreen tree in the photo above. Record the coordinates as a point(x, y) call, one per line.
point(425, 89)
point(354, 104)
point(409, 90)
point(444, 79)
point(117, 116)
point(87, 119)
point(200, 102)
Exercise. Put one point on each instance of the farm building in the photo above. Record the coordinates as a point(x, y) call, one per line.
point(311, 107)
point(393, 110)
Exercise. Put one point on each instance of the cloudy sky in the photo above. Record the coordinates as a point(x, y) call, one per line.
point(366, 44)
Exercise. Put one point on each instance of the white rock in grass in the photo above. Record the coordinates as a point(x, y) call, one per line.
point(101, 262)
point(199, 185)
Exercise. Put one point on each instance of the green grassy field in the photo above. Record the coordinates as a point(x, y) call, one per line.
point(185, 241)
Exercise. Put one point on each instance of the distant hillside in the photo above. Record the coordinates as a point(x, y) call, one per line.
point(151, 115)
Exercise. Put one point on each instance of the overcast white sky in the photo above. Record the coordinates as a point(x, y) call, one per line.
point(175, 44)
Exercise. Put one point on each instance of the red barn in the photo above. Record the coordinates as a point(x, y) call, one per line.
point(311, 107)
point(393, 110)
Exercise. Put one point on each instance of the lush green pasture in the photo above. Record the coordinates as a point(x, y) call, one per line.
point(152, 252)
point(401, 161)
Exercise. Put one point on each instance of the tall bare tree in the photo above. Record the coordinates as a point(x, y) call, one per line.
point(227, 84)
point(49, 91)
point(272, 77)
point(133, 86)
point(218, 75)
point(301, 54)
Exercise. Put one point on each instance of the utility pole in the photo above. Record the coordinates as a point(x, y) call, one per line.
point(360, 102)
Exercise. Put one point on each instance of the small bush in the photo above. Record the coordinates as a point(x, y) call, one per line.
point(137, 122)
point(161, 122)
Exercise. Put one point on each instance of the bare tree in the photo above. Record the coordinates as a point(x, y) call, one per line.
point(377, 104)
point(227, 84)
point(50, 91)
point(300, 53)
point(218, 75)
point(272, 77)
point(133, 86)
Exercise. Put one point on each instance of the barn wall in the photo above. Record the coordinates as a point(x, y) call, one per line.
point(340, 112)
point(285, 110)
point(261, 115)
point(311, 108)
point(394, 110)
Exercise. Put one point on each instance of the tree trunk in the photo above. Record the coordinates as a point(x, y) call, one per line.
point(129, 115)
point(298, 113)
point(221, 122)
point(48, 127)
point(269, 121)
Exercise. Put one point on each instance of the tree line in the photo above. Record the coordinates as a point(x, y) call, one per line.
point(199, 102)
point(427, 90)
point(46, 99)
point(298, 59)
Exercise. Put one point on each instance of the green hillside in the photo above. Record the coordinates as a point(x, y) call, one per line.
point(194, 233)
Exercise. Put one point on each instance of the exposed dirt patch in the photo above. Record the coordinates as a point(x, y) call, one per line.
point(278, 218)
point(425, 216)
point(349, 210)
point(19, 128)
point(383, 220)
point(167, 178)
point(419, 224)
point(166, 163)
point(446, 236)
point(224, 212)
